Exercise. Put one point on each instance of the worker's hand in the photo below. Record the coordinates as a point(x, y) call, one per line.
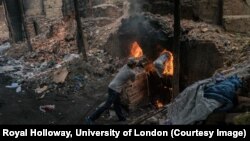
point(140, 65)
point(142, 62)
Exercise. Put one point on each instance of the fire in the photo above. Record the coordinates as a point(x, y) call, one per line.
point(169, 64)
point(136, 50)
point(159, 104)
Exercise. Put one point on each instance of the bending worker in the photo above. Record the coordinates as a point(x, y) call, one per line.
point(115, 87)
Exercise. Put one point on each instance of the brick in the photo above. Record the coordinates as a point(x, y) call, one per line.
point(33, 7)
point(206, 10)
point(135, 93)
point(106, 10)
point(53, 8)
point(236, 7)
point(240, 24)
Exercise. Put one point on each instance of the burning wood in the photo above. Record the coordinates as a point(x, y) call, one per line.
point(159, 104)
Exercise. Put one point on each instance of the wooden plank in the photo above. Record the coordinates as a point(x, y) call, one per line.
point(177, 30)
point(147, 115)
point(80, 42)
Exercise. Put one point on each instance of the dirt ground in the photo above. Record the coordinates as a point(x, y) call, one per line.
point(24, 108)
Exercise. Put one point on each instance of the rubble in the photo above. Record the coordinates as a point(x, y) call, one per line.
point(19, 89)
point(16, 86)
point(13, 85)
point(41, 90)
point(242, 119)
point(106, 10)
point(60, 75)
point(47, 108)
point(4, 47)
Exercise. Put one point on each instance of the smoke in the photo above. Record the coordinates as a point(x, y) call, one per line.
point(149, 31)
point(136, 6)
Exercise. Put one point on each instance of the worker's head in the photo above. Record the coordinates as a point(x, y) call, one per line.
point(132, 62)
point(142, 62)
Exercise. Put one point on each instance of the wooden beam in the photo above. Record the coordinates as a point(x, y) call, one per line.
point(147, 115)
point(177, 30)
point(220, 12)
point(20, 2)
point(80, 42)
point(8, 20)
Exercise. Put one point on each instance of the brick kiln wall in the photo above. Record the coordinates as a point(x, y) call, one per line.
point(53, 8)
point(40, 15)
point(234, 15)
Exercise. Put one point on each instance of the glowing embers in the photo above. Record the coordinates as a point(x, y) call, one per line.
point(159, 103)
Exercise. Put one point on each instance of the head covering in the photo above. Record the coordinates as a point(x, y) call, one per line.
point(131, 61)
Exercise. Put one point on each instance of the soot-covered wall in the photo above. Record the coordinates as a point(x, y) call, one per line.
point(150, 33)
point(199, 58)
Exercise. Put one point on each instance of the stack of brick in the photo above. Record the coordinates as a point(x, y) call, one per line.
point(237, 16)
point(36, 25)
point(40, 15)
point(30, 27)
point(207, 10)
point(53, 8)
point(106, 10)
point(136, 93)
point(33, 7)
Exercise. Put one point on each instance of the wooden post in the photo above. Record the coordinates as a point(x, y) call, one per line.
point(80, 42)
point(8, 20)
point(24, 26)
point(220, 12)
point(177, 31)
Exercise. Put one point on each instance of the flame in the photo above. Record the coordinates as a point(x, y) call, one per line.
point(169, 64)
point(136, 50)
point(159, 104)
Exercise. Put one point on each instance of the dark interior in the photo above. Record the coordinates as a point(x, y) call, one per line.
point(198, 59)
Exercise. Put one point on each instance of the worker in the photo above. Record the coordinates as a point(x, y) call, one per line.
point(125, 74)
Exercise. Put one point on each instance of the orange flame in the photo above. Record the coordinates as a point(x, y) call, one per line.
point(136, 50)
point(159, 104)
point(169, 64)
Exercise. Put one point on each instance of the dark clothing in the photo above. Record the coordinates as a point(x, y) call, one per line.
point(113, 98)
point(114, 91)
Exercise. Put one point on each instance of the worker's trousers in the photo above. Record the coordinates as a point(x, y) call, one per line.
point(113, 98)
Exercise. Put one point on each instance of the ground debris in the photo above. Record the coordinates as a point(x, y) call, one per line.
point(47, 108)
point(60, 75)
point(41, 90)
